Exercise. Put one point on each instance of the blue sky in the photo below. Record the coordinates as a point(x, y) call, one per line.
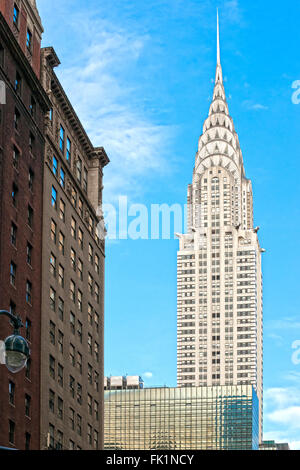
point(140, 77)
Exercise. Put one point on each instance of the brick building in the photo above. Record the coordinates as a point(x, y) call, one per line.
point(21, 182)
point(51, 252)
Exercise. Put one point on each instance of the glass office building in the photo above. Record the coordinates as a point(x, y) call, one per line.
point(189, 418)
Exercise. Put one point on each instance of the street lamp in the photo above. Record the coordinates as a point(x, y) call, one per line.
point(16, 347)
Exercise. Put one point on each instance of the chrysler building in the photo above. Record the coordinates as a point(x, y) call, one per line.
point(219, 276)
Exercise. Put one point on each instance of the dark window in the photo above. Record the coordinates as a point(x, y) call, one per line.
point(27, 441)
point(16, 157)
point(27, 405)
point(29, 292)
point(62, 139)
point(11, 436)
point(11, 392)
point(16, 119)
point(29, 40)
point(54, 198)
point(28, 329)
point(30, 216)
point(14, 194)
point(16, 15)
point(32, 107)
point(52, 367)
point(18, 83)
point(31, 142)
point(28, 369)
point(29, 254)
point(30, 179)
point(13, 272)
point(68, 156)
point(13, 234)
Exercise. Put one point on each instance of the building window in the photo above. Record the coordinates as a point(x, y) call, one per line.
point(32, 107)
point(90, 430)
point(97, 268)
point(72, 322)
point(96, 439)
point(60, 375)
point(72, 419)
point(79, 362)
point(27, 441)
point(60, 342)
point(54, 165)
point(79, 331)
point(79, 169)
point(73, 228)
point(11, 393)
point(73, 259)
point(61, 243)
point(91, 254)
point(13, 273)
point(53, 265)
point(54, 198)
point(51, 401)
point(80, 238)
point(62, 178)
point(72, 386)
point(31, 142)
point(27, 405)
point(29, 40)
point(53, 231)
point(52, 333)
point(80, 269)
point(52, 299)
point(61, 308)
point(97, 322)
point(62, 210)
point(30, 179)
point(16, 119)
point(13, 234)
point(14, 194)
point(96, 351)
point(72, 290)
point(96, 381)
point(62, 139)
point(68, 156)
point(90, 314)
point(80, 207)
point(79, 425)
point(28, 329)
point(60, 408)
point(29, 292)
point(16, 16)
point(96, 410)
point(18, 83)
point(97, 297)
point(61, 276)
point(85, 179)
point(30, 216)
point(11, 435)
point(29, 254)
point(74, 198)
point(52, 367)
point(90, 374)
point(90, 284)
point(16, 157)
point(80, 301)
point(28, 369)
point(79, 393)
point(51, 437)
point(72, 355)
point(90, 343)
point(90, 405)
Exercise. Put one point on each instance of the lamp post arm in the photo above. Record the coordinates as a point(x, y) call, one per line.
point(16, 320)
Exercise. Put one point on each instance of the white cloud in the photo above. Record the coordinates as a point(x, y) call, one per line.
point(233, 11)
point(109, 105)
point(287, 416)
point(148, 375)
point(254, 106)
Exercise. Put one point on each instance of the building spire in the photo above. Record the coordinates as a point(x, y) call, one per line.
point(218, 39)
point(219, 77)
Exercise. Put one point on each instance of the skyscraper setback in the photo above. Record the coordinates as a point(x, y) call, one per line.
point(219, 264)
